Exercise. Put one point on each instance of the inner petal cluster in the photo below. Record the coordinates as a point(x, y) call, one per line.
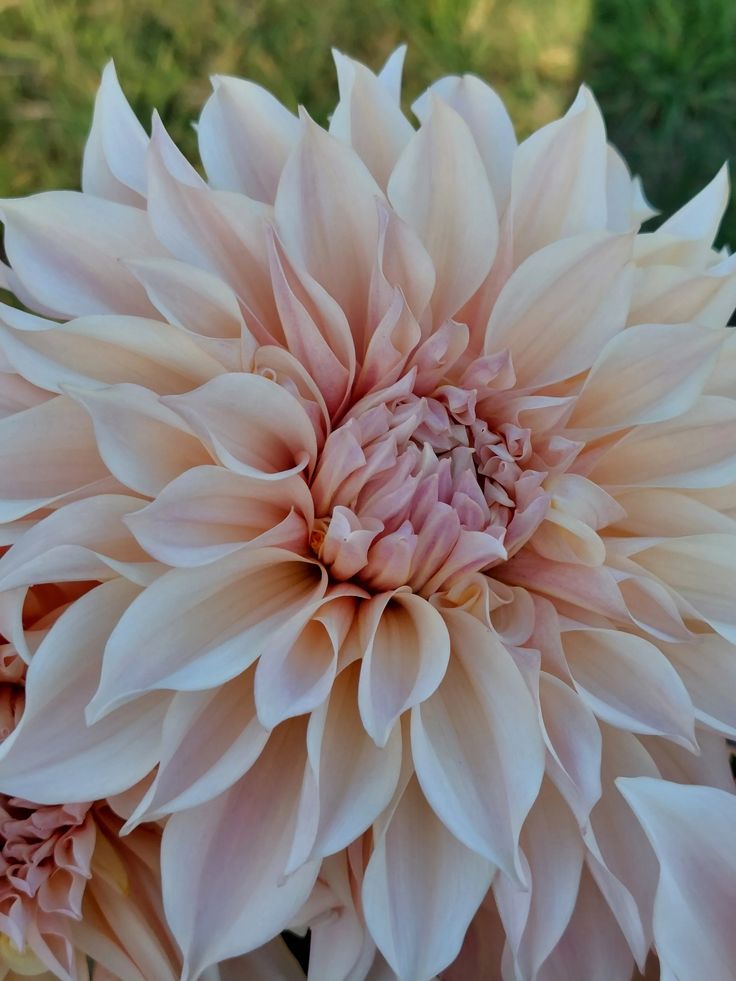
point(413, 490)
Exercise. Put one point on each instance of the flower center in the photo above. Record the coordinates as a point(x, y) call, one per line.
point(415, 491)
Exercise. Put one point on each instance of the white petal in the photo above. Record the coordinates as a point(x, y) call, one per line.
point(421, 889)
point(468, 739)
point(707, 667)
point(698, 220)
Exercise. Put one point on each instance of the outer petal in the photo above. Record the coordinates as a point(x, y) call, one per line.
point(52, 755)
point(421, 890)
point(439, 186)
point(65, 247)
point(707, 667)
point(209, 740)
point(254, 426)
point(245, 136)
point(326, 216)
point(629, 683)
point(208, 512)
point(203, 626)
point(646, 374)
point(552, 328)
point(468, 740)
point(488, 121)
point(114, 164)
point(558, 184)
point(696, 894)
point(48, 453)
point(406, 649)
point(222, 862)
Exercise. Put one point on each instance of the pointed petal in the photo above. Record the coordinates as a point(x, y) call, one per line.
point(64, 248)
point(552, 328)
point(488, 121)
point(52, 755)
point(245, 136)
point(696, 894)
point(707, 668)
point(326, 216)
point(203, 626)
point(252, 425)
point(439, 187)
point(209, 740)
point(629, 683)
point(467, 740)
point(143, 443)
point(421, 889)
point(114, 164)
point(222, 862)
point(406, 649)
point(698, 220)
point(558, 181)
point(646, 374)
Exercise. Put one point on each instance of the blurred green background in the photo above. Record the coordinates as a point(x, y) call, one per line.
point(663, 70)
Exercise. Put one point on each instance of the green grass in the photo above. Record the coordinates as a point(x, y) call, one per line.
point(664, 70)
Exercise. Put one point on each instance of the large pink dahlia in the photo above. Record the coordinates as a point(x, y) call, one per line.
point(399, 469)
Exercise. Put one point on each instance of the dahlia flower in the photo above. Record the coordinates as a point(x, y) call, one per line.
point(388, 477)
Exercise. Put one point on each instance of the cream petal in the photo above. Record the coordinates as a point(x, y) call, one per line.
point(626, 205)
point(552, 328)
point(389, 347)
point(697, 449)
point(84, 540)
point(593, 947)
point(553, 850)
point(143, 443)
point(188, 297)
point(203, 626)
point(439, 187)
point(488, 121)
point(573, 741)
point(558, 180)
point(586, 501)
point(49, 452)
point(245, 136)
point(208, 512)
point(348, 781)
point(222, 862)
point(707, 667)
point(114, 163)
point(271, 962)
point(252, 425)
point(629, 683)
point(421, 890)
point(406, 649)
point(698, 220)
point(326, 216)
point(696, 893)
point(52, 755)
point(369, 118)
point(668, 513)
point(209, 740)
point(390, 75)
point(723, 379)
point(647, 373)
point(109, 350)
point(65, 248)
point(702, 570)
point(480, 721)
point(711, 767)
point(673, 295)
point(181, 207)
